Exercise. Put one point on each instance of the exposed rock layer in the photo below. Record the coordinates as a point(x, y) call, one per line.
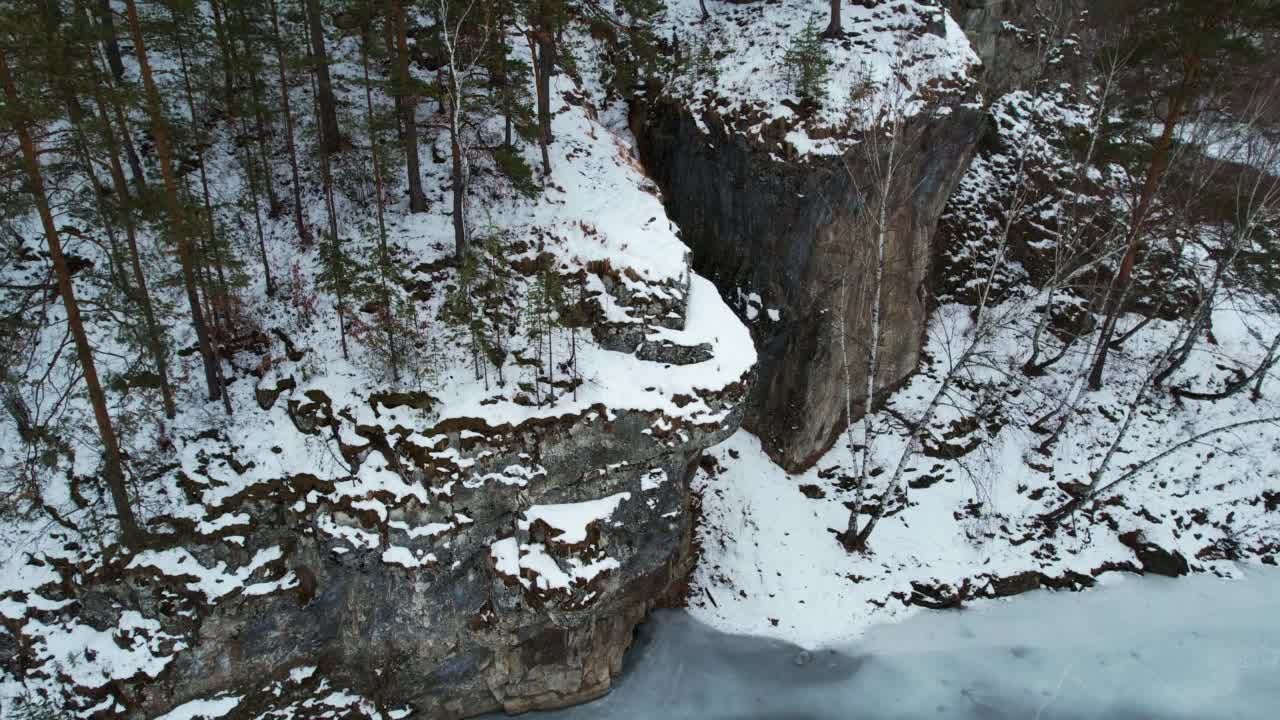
point(458, 637)
point(786, 231)
point(448, 565)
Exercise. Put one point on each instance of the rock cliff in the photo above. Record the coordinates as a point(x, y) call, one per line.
point(485, 540)
point(775, 234)
point(454, 567)
point(769, 191)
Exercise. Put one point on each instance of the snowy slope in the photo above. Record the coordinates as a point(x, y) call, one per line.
point(771, 565)
point(909, 50)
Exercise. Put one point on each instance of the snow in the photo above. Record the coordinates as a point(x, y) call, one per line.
point(572, 519)
point(912, 42)
point(506, 556)
point(214, 582)
point(203, 709)
point(404, 557)
point(90, 657)
point(772, 567)
point(653, 479)
point(518, 560)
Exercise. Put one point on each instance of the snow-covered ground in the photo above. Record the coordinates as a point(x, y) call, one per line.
point(1199, 647)
point(903, 49)
point(771, 565)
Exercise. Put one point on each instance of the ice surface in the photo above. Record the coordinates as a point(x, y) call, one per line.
point(1138, 647)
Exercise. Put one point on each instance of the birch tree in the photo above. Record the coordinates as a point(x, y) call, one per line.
point(464, 32)
point(887, 152)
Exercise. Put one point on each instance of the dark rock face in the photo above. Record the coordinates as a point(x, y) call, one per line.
point(786, 230)
point(1002, 33)
point(461, 635)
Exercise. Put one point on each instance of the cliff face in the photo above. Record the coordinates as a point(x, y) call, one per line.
point(456, 623)
point(1005, 35)
point(776, 236)
point(454, 567)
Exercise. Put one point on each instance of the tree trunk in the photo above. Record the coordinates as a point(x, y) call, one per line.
point(834, 30)
point(407, 105)
point(130, 152)
point(155, 338)
point(262, 128)
point(384, 259)
point(114, 469)
point(459, 192)
point(80, 144)
point(389, 46)
point(110, 43)
point(304, 235)
point(326, 176)
point(251, 175)
point(111, 49)
point(1264, 369)
point(1146, 199)
point(544, 62)
point(173, 207)
point(216, 295)
point(328, 106)
point(249, 52)
point(220, 36)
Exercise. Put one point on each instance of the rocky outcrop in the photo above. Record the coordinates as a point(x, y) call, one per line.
point(435, 614)
point(1155, 559)
point(446, 564)
point(465, 567)
point(988, 23)
point(775, 234)
point(1006, 35)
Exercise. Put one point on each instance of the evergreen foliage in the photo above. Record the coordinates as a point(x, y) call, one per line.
point(480, 308)
point(807, 63)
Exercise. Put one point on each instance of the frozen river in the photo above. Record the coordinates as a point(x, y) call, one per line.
point(1197, 647)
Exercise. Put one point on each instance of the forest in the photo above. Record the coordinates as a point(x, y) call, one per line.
point(361, 358)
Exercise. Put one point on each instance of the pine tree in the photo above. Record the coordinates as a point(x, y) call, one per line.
point(130, 533)
point(1179, 50)
point(807, 63)
point(340, 275)
point(405, 89)
point(282, 63)
point(173, 206)
point(328, 106)
point(546, 18)
point(834, 29)
point(478, 307)
point(383, 262)
point(120, 207)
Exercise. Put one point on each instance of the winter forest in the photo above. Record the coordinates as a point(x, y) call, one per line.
point(396, 358)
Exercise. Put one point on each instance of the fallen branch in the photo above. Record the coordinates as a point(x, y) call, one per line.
point(1053, 518)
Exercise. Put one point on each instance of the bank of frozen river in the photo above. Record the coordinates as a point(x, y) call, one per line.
point(1149, 647)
